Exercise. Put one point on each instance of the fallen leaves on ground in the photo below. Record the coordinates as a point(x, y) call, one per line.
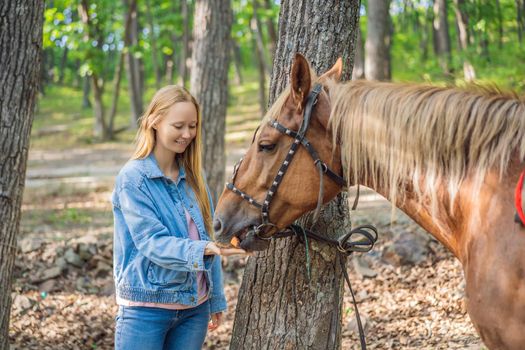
point(63, 296)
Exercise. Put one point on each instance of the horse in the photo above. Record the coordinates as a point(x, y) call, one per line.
point(449, 157)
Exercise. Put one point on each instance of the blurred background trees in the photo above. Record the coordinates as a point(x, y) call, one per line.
point(93, 45)
point(115, 54)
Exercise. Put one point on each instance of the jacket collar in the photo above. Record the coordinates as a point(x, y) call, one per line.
point(152, 169)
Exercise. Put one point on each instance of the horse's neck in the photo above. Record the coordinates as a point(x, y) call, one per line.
point(439, 222)
point(470, 216)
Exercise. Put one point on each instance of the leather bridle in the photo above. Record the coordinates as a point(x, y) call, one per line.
point(299, 139)
point(344, 244)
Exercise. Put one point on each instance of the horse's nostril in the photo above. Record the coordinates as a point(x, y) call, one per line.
point(217, 225)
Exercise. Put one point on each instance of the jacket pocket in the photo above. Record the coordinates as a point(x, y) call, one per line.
point(161, 276)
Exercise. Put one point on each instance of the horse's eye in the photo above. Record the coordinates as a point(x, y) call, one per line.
point(266, 148)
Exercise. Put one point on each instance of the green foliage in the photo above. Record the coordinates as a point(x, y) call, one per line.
point(60, 122)
point(71, 52)
point(414, 60)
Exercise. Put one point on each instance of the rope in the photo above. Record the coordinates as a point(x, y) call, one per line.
point(307, 254)
point(362, 339)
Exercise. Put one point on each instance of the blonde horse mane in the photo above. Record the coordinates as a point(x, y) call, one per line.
point(396, 135)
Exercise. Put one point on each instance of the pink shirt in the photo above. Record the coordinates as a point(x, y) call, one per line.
point(201, 280)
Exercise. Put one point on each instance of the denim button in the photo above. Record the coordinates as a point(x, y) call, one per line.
point(195, 265)
point(192, 299)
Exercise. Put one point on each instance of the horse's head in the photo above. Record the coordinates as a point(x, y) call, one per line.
point(278, 179)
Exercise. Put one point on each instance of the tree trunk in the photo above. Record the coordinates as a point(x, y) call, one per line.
point(209, 82)
point(86, 88)
point(463, 39)
point(116, 92)
point(100, 127)
point(462, 24)
point(133, 65)
point(520, 21)
point(272, 35)
point(169, 62)
point(185, 49)
point(63, 65)
point(92, 31)
point(377, 47)
point(256, 28)
point(426, 33)
point(500, 24)
point(359, 66)
point(278, 307)
point(20, 47)
point(258, 57)
point(153, 40)
point(441, 36)
point(44, 79)
point(237, 61)
point(258, 51)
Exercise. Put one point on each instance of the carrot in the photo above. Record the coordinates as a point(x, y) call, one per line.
point(235, 242)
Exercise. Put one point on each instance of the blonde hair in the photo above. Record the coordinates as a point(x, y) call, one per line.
point(191, 159)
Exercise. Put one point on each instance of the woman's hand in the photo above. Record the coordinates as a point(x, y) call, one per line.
point(213, 249)
point(215, 321)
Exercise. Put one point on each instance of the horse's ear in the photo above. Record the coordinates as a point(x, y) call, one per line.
point(300, 80)
point(335, 72)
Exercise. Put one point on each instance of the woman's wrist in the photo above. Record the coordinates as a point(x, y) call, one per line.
point(211, 249)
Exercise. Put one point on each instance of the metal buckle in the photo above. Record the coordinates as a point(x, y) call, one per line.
point(257, 230)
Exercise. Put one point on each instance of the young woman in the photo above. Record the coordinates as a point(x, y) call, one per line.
point(168, 279)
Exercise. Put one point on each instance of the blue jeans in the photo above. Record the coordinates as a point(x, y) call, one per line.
point(150, 328)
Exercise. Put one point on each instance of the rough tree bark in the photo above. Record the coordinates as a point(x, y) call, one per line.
point(209, 81)
point(278, 307)
point(20, 55)
point(377, 47)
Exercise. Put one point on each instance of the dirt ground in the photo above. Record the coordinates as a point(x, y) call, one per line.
point(63, 290)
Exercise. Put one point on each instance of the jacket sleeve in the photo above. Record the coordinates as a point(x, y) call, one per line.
point(217, 298)
point(152, 238)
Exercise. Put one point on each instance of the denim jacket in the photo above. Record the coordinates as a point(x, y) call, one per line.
point(154, 259)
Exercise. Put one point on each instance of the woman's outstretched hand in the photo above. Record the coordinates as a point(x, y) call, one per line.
point(213, 249)
point(215, 321)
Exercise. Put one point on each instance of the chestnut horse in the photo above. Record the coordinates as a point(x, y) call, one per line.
point(450, 158)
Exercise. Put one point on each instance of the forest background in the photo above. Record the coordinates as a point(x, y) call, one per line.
point(102, 60)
